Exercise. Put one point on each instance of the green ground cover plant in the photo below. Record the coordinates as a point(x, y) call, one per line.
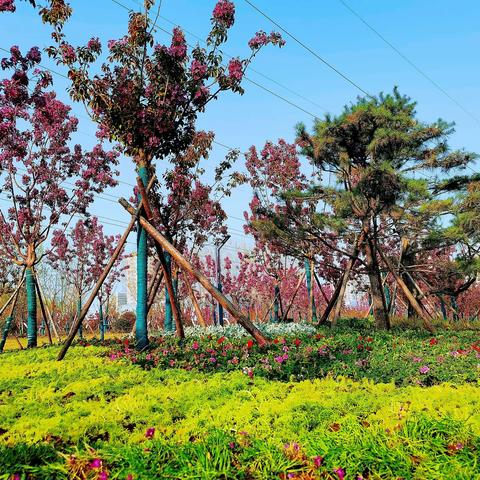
point(93, 417)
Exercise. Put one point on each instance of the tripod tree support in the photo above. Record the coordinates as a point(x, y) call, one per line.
point(17, 288)
point(183, 263)
point(196, 306)
point(413, 301)
point(9, 320)
point(42, 307)
point(103, 276)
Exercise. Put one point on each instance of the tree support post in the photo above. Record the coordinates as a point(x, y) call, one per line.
point(42, 307)
point(413, 301)
point(102, 278)
point(196, 306)
point(183, 263)
point(8, 321)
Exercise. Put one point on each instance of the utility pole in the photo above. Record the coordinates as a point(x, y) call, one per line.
point(219, 245)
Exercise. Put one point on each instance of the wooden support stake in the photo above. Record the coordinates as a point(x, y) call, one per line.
point(49, 314)
point(42, 307)
point(166, 273)
point(196, 306)
point(183, 263)
point(100, 281)
point(413, 301)
point(19, 285)
point(155, 285)
point(297, 288)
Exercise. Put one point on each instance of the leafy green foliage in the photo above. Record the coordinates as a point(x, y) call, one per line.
point(90, 415)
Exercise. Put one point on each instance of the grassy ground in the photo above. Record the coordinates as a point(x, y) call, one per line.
point(91, 417)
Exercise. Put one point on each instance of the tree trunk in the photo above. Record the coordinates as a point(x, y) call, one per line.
point(376, 288)
point(312, 313)
point(168, 325)
point(443, 308)
point(276, 304)
point(79, 309)
point(100, 318)
point(344, 280)
point(31, 309)
point(141, 328)
point(453, 302)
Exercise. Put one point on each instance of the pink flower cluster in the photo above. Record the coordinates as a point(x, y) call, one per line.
point(178, 47)
point(224, 13)
point(198, 69)
point(235, 70)
point(7, 6)
point(261, 39)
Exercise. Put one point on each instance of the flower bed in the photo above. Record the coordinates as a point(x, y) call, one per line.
point(406, 357)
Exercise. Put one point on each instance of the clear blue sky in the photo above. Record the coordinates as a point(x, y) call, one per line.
point(440, 36)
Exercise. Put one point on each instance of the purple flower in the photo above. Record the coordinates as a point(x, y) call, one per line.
point(317, 461)
point(424, 369)
point(103, 476)
point(150, 432)
point(340, 473)
point(417, 359)
point(96, 463)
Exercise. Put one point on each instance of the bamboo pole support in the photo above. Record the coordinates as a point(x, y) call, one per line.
point(183, 263)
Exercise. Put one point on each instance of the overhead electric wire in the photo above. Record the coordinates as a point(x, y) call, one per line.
point(309, 49)
point(410, 62)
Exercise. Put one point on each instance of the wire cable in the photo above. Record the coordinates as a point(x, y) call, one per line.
point(309, 49)
point(412, 64)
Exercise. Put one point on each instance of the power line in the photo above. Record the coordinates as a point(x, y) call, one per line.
point(404, 57)
point(309, 49)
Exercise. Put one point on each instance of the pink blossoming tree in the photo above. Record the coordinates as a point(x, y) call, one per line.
point(147, 96)
point(36, 161)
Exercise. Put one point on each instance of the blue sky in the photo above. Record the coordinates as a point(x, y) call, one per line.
point(440, 37)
